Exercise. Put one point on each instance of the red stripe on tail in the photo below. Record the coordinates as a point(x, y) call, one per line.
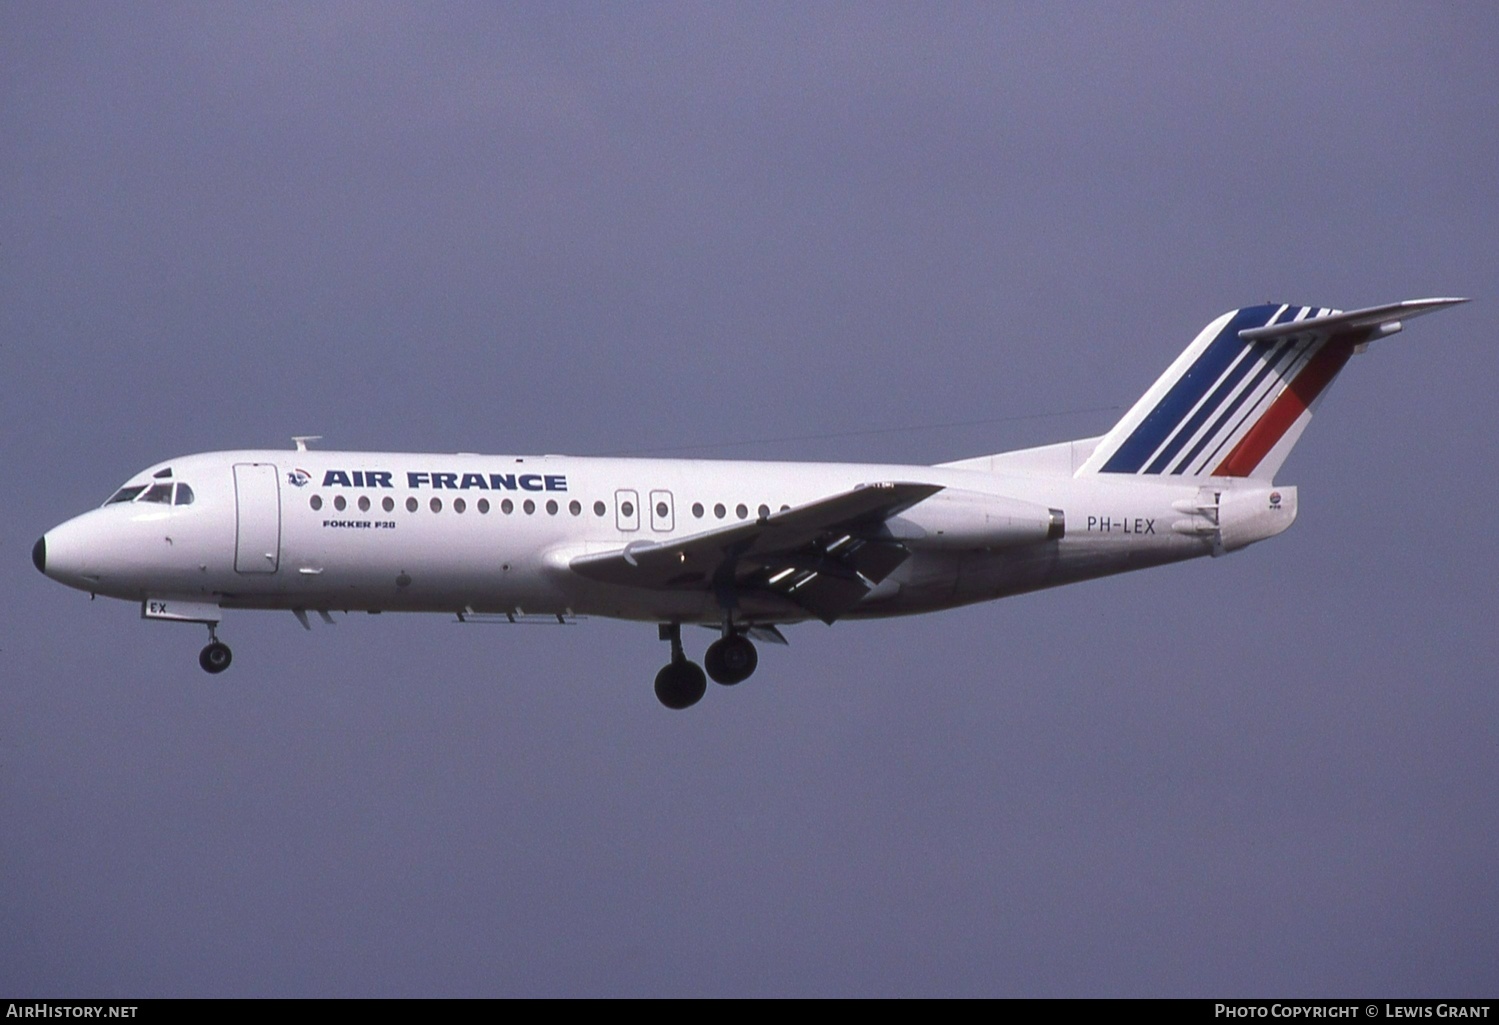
point(1287, 408)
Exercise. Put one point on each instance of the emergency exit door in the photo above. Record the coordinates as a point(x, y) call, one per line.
point(661, 511)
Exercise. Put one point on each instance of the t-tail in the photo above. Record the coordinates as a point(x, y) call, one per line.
point(1236, 401)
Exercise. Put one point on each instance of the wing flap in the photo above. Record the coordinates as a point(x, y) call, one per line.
point(822, 556)
point(826, 596)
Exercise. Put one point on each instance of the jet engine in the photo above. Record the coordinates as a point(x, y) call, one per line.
point(953, 518)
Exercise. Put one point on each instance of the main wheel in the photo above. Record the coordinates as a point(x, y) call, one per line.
point(731, 659)
point(680, 684)
point(215, 658)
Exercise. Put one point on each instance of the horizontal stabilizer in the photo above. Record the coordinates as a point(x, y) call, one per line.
point(1376, 321)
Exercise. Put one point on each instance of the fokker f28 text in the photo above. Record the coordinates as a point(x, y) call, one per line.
point(742, 547)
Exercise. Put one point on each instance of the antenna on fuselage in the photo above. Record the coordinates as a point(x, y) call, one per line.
point(303, 439)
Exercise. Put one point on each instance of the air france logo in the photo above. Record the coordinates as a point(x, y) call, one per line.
point(298, 478)
point(439, 481)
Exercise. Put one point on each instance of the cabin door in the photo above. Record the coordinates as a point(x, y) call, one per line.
point(257, 501)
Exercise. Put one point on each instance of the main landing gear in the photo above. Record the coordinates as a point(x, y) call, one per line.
point(216, 656)
point(682, 684)
point(731, 659)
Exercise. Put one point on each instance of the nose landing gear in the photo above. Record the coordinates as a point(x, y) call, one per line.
point(216, 656)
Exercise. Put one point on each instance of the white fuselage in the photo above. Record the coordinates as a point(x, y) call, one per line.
point(325, 530)
point(741, 546)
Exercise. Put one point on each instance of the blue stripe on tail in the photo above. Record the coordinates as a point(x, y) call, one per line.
point(1162, 421)
point(1272, 361)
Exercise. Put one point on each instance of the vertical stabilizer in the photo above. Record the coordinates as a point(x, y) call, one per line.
point(1237, 400)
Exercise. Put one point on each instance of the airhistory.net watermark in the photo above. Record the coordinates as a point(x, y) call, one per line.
point(45, 1009)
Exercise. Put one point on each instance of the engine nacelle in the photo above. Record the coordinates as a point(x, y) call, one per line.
point(971, 519)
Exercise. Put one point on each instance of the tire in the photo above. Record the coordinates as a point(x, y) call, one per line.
point(680, 685)
point(731, 660)
point(215, 658)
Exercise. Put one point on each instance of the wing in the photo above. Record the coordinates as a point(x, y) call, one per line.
point(823, 556)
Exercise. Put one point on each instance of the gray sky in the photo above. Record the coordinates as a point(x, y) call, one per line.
point(591, 228)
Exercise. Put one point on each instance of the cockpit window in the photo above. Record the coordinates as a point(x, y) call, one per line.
point(163, 493)
point(159, 474)
point(126, 493)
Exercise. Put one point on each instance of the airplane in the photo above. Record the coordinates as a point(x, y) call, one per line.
point(742, 547)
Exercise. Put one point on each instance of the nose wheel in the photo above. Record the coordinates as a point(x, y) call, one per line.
point(215, 656)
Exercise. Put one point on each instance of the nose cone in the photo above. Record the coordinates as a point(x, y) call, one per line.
point(73, 553)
